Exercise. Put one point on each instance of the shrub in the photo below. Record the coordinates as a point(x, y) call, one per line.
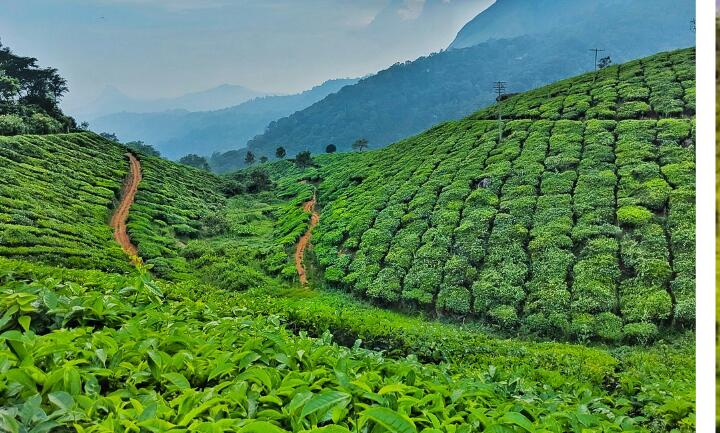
point(505, 316)
point(609, 327)
point(633, 215)
point(583, 326)
point(642, 333)
point(11, 124)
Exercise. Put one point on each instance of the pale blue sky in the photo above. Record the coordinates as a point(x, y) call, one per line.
point(156, 48)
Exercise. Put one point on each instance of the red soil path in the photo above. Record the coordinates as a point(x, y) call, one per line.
point(309, 206)
point(120, 216)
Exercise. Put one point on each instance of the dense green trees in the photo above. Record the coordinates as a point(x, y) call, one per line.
point(196, 161)
point(141, 147)
point(30, 96)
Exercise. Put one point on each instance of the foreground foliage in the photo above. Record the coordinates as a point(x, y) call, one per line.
point(112, 354)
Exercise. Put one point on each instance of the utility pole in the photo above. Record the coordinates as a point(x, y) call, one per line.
point(500, 90)
point(596, 51)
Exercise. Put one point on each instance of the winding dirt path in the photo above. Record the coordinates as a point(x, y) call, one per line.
point(302, 244)
point(119, 219)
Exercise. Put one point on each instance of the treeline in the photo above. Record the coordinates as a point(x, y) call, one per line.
point(30, 97)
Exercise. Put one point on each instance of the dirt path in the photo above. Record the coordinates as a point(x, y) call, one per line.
point(120, 216)
point(309, 206)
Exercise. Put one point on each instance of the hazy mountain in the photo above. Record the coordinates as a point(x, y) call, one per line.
point(112, 100)
point(512, 18)
point(409, 97)
point(179, 132)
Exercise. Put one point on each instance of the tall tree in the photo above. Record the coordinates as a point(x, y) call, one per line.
point(604, 62)
point(196, 161)
point(280, 152)
point(249, 158)
point(360, 144)
point(303, 159)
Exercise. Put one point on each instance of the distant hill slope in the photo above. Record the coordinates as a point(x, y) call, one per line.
point(112, 100)
point(643, 19)
point(579, 222)
point(176, 133)
point(407, 98)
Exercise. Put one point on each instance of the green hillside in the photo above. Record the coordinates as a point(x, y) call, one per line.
point(580, 227)
point(58, 192)
point(461, 257)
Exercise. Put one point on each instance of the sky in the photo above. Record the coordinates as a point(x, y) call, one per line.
point(164, 48)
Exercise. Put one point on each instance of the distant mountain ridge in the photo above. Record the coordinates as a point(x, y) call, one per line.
point(179, 132)
point(112, 100)
point(409, 97)
point(512, 18)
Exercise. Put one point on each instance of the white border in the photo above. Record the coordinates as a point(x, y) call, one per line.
point(705, 263)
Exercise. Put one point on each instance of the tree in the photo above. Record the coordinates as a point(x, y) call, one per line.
point(280, 152)
point(196, 161)
point(360, 144)
point(604, 62)
point(141, 147)
point(259, 180)
point(263, 159)
point(249, 158)
point(303, 159)
point(109, 136)
point(331, 148)
point(33, 93)
point(84, 126)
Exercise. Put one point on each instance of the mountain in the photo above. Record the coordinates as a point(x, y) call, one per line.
point(178, 132)
point(512, 18)
point(112, 100)
point(409, 97)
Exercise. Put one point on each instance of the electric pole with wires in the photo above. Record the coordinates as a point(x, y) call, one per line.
point(596, 51)
point(500, 90)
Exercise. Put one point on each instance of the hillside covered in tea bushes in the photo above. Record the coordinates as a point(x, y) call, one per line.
point(579, 222)
point(458, 283)
point(57, 193)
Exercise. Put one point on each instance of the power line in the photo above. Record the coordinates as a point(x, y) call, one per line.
point(596, 51)
point(500, 90)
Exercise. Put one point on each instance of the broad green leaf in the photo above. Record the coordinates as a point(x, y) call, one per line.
point(62, 399)
point(395, 387)
point(392, 421)
point(178, 380)
point(518, 419)
point(24, 321)
point(324, 401)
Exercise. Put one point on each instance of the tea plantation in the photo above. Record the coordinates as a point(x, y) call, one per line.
point(459, 283)
point(579, 222)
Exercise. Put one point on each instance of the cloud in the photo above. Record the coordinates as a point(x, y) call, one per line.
point(411, 9)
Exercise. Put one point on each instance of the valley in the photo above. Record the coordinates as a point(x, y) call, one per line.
point(531, 275)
